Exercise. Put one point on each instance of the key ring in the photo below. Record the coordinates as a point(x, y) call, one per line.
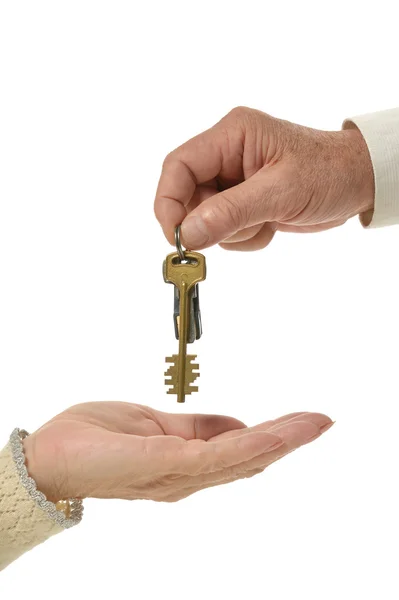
point(179, 248)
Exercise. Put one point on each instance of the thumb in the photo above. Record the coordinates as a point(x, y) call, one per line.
point(219, 217)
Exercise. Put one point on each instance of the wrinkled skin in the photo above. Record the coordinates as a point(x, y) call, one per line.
point(128, 451)
point(252, 175)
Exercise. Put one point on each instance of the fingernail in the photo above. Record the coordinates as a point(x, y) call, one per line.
point(273, 226)
point(322, 429)
point(194, 232)
point(326, 427)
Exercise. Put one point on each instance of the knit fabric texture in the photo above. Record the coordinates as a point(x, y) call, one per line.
point(23, 524)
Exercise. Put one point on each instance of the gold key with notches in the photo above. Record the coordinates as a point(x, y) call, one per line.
point(185, 270)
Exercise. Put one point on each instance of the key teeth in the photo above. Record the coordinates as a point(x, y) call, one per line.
point(171, 375)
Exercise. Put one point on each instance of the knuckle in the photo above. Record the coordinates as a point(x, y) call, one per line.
point(240, 112)
point(169, 159)
point(246, 119)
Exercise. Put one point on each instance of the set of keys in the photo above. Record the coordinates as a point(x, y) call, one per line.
point(185, 270)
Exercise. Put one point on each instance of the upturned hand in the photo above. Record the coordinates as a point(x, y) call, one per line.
point(128, 451)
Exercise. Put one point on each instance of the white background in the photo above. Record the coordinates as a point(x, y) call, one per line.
point(93, 95)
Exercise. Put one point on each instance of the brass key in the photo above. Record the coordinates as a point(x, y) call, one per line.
point(184, 274)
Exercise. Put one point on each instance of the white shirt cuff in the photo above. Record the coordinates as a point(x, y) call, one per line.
point(381, 133)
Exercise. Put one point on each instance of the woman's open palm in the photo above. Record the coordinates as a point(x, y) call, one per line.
point(129, 451)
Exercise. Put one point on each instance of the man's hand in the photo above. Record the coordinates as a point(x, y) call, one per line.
point(128, 451)
point(250, 175)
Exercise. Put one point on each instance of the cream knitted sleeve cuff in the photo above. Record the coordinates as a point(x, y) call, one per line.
point(26, 517)
point(381, 133)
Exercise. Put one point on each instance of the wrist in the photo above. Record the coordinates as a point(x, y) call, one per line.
point(40, 472)
point(363, 174)
point(65, 513)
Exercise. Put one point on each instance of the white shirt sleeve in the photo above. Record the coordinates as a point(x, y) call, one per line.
point(381, 133)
